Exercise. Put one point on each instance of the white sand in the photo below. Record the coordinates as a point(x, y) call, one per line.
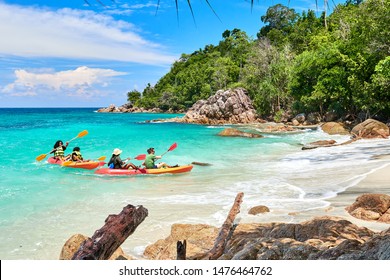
point(376, 182)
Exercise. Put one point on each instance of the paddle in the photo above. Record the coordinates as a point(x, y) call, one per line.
point(81, 134)
point(171, 148)
point(139, 157)
point(66, 163)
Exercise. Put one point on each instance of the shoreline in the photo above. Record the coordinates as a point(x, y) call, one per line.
point(375, 182)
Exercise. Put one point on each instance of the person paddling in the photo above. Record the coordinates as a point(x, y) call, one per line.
point(117, 163)
point(59, 149)
point(151, 158)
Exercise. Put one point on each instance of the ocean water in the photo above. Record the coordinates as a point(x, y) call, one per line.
point(42, 205)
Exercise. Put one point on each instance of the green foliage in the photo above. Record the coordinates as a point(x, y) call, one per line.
point(379, 89)
point(266, 76)
point(133, 96)
point(200, 74)
point(280, 21)
point(336, 63)
point(279, 116)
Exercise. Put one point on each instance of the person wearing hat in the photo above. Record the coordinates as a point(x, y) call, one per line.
point(117, 163)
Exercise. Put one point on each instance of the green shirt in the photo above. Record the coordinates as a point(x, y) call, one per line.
point(149, 161)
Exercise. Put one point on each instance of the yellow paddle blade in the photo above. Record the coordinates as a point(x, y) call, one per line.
point(66, 163)
point(41, 157)
point(101, 158)
point(82, 133)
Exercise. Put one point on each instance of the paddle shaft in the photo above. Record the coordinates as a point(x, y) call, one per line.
point(171, 148)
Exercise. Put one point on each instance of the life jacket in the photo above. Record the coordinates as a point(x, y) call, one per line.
point(59, 152)
point(77, 154)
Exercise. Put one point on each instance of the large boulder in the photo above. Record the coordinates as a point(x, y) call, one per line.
point(234, 132)
point(200, 238)
point(232, 106)
point(371, 128)
point(334, 128)
point(371, 207)
point(72, 245)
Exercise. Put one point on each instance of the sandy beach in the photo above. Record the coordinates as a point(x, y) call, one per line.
point(378, 181)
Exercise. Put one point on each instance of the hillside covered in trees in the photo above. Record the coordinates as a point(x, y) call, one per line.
point(299, 63)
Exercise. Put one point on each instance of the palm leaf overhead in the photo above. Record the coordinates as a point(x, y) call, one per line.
point(207, 2)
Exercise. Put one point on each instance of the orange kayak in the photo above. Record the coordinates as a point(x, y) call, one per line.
point(84, 165)
point(157, 171)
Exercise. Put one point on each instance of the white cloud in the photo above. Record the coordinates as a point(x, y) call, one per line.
point(69, 33)
point(82, 81)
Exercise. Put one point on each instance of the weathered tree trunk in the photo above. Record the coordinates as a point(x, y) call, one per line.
point(225, 232)
point(309, 147)
point(115, 231)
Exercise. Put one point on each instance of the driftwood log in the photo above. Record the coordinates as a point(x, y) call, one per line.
point(115, 231)
point(201, 163)
point(309, 147)
point(224, 233)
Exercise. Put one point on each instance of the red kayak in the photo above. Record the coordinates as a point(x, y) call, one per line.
point(84, 165)
point(156, 171)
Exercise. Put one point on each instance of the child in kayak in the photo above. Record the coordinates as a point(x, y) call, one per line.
point(59, 149)
point(116, 162)
point(76, 155)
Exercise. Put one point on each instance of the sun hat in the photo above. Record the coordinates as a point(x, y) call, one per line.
point(117, 152)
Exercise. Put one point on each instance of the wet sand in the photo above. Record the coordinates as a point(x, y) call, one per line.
point(377, 181)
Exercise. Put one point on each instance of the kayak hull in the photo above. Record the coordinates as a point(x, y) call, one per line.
point(83, 165)
point(157, 171)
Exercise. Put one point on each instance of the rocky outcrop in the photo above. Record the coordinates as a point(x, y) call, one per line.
point(327, 238)
point(371, 129)
point(126, 108)
point(200, 238)
point(310, 119)
point(374, 207)
point(232, 106)
point(233, 132)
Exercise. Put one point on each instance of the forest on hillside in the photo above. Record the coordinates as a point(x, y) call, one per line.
point(299, 63)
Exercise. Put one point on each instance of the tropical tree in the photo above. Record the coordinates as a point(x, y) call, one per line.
point(266, 76)
point(133, 96)
point(279, 21)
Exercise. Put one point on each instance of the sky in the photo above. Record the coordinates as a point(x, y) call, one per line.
point(90, 53)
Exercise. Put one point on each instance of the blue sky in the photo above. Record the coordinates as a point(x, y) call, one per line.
point(65, 53)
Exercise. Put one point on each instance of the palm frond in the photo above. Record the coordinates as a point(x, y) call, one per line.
point(158, 5)
point(192, 12)
point(208, 3)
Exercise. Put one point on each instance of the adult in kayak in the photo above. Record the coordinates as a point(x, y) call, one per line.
point(117, 163)
point(59, 149)
point(151, 159)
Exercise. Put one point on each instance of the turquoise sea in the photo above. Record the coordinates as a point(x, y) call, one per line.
point(42, 205)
